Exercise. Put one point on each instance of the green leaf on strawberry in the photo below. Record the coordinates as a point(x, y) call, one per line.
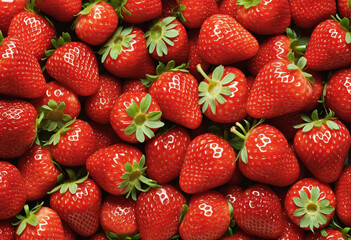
point(30, 218)
point(315, 121)
point(70, 183)
point(1, 37)
point(299, 64)
point(345, 24)
point(118, 5)
point(57, 43)
point(248, 3)
point(113, 236)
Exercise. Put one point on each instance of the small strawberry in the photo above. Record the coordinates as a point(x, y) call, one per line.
point(63, 10)
point(104, 135)
point(228, 7)
point(331, 234)
point(344, 8)
point(9, 9)
point(219, 40)
point(7, 231)
point(343, 196)
point(134, 85)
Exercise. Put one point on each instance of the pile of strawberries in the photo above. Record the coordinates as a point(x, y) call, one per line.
point(175, 119)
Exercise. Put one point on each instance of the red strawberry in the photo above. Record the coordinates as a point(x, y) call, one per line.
point(207, 218)
point(138, 11)
point(99, 236)
point(13, 192)
point(338, 94)
point(209, 162)
point(63, 10)
point(17, 127)
point(317, 90)
point(165, 154)
point(9, 9)
point(239, 235)
point(322, 145)
point(343, 194)
point(96, 23)
point(228, 7)
point(264, 17)
point(344, 8)
point(331, 234)
point(7, 231)
point(232, 193)
point(134, 85)
point(219, 40)
point(310, 204)
point(15, 56)
point(258, 212)
point(104, 135)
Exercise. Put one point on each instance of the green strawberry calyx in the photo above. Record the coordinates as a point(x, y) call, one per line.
point(183, 212)
point(215, 91)
point(161, 34)
point(315, 121)
point(113, 236)
point(30, 218)
point(345, 24)
point(299, 64)
point(1, 37)
point(70, 183)
point(118, 5)
point(134, 177)
point(248, 3)
point(345, 231)
point(230, 231)
point(57, 43)
point(143, 121)
point(178, 12)
point(120, 40)
point(312, 209)
point(298, 45)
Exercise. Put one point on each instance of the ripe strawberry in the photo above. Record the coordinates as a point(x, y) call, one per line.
point(99, 105)
point(176, 92)
point(228, 7)
point(99, 236)
point(13, 192)
point(209, 162)
point(219, 40)
point(331, 234)
point(125, 54)
point(63, 10)
point(15, 56)
point(338, 94)
point(239, 235)
point(322, 145)
point(104, 135)
point(134, 85)
point(9, 9)
point(74, 64)
point(310, 204)
point(17, 127)
point(223, 94)
point(309, 14)
point(343, 194)
point(264, 17)
point(96, 23)
point(165, 154)
point(258, 212)
point(208, 217)
point(231, 193)
point(344, 8)
point(7, 231)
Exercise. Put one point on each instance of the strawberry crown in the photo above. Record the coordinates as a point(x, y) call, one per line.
point(118, 5)
point(57, 43)
point(113, 236)
point(70, 183)
point(29, 218)
point(248, 3)
point(298, 44)
point(159, 34)
point(177, 12)
point(299, 64)
point(345, 24)
point(315, 121)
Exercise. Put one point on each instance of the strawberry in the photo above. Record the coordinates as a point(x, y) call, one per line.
point(99, 236)
point(96, 23)
point(264, 17)
point(342, 192)
point(38, 172)
point(17, 127)
point(344, 8)
point(80, 206)
point(99, 105)
point(231, 193)
point(167, 40)
point(330, 45)
point(134, 85)
point(258, 212)
point(219, 40)
point(15, 56)
point(39, 223)
point(165, 154)
point(309, 14)
point(223, 94)
point(135, 115)
point(176, 92)
point(9, 9)
point(208, 217)
point(125, 54)
point(63, 10)
point(310, 204)
point(104, 135)
point(7, 231)
point(209, 162)
point(322, 145)
point(331, 234)
point(13, 192)
point(228, 7)
point(239, 235)
point(338, 94)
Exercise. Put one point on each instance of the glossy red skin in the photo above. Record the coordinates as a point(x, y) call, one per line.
point(68, 232)
point(7, 231)
point(17, 127)
point(219, 40)
point(56, 91)
point(104, 134)
point(81, 211)
point(134, 85)
point(231, 193)
point(28, 83)
point(338, 94)
point(177, 95)
point(274, 47)
point(228, 7)
point(343, 8)
point(326, 193)
point(208, 217)
point(291, 231)
point(8, 10)
point(118, 215)
point(196, 12)
point(76, 145)
point(142, 11)
point(99, 236)
point(158, 212)
point(278, 91)
point(209, 162)
point(270, 159)
point(317, 90)
point(98, 25)
point(13, 192)
point(327, 48)
point(62, 10)
point(273, 16)
point(99, 105)
point(106, 166)
point(332, 234)
point(167, 7)
point(75, 66)
point(323, 151)
point(234, 109)
point(309, 14)
point(38, 172)
point(239, 235)
point(165, 153)
point(49, 227)
point(343, 196)
point(258, 212)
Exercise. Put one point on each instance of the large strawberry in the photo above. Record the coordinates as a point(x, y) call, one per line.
point(222, 40)
point(62, 10)
point(343, 196)
point(9, 9)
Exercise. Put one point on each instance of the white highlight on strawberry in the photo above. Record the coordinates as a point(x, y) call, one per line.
point(42, 225)
point(282, 75)
point(9, 51)
point(162, 193)
point(217, 150)
point(121, 211)
point(347, 84)
point(207, 209)
point(264, 140)
point(34, 24)
point(325, 137)
point(12, 113)
point(175, 84)
point(75, 137)
point(278, 47)
point(70, 56)
point(2, 174)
